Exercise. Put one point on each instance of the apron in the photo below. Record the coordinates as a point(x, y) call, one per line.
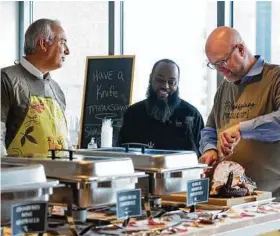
point(43, 128)
point(260, 159)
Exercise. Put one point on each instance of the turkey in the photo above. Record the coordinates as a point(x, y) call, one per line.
point(229, 180)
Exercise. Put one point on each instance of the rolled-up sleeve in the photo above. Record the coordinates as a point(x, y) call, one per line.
point(267, 127)
point(209, 135)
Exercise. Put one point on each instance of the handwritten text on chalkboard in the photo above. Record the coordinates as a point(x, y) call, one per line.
point(107, 94)
point(97, 75)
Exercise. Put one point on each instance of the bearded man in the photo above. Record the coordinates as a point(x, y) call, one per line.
point(163, 120)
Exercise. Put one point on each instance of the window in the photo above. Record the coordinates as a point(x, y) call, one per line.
point(11, 40)
point(155, 30)
point(9, 33)
point(86, 27)
point(261, 32)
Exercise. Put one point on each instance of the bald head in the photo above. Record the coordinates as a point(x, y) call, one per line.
point(228, 54)
point(222, 37)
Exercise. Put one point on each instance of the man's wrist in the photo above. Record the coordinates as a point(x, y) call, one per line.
point(245, 129)
point(209, 147)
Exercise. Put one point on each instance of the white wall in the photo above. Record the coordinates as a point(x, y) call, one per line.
point(8, 33)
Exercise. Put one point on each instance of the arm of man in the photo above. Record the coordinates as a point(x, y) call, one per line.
point(208, 141)
point(263, 128)
point(7, 96)
point(267, 127)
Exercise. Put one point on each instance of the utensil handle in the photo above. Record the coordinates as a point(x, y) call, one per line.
point(142, 145)
point(53, 156)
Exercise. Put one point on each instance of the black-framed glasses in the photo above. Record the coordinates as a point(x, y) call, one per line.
point(221, 63)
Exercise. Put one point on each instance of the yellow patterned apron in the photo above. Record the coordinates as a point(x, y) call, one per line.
point(43, 128)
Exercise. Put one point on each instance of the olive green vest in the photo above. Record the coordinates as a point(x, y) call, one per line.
point(237, 103)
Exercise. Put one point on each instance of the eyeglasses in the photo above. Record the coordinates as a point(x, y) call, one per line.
point(221, 63)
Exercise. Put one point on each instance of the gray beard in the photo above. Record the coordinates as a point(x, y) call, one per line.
point(162, 113)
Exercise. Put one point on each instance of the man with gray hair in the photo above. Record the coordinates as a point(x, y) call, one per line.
point(33, 105)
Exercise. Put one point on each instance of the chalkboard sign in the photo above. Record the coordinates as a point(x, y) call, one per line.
point(197, 191)
point(107, 94)
point(29, 217)
point(128, 203)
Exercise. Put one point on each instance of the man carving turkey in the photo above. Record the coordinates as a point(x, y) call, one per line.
point(244, 124)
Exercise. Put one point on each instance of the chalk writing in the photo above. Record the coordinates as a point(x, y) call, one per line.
point(29, 217)
point(197, 191)
point(101, 116)
point(104, 108)
point(101, 75)
point(129, 203)
point(120, 75)
point(28, 208)
point(111, 92)
point(107, 95)
point(92, 132)
point(95, 132)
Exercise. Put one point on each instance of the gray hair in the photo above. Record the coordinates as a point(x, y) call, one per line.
point(40, 28)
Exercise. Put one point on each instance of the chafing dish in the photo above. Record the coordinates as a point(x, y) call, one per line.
point(89, 182)
point(21, 183)
point(168, 170)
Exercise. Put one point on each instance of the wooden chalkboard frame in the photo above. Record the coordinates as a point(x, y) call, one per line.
point(85, 86)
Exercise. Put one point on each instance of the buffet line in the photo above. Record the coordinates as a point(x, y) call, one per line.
point(129, 191)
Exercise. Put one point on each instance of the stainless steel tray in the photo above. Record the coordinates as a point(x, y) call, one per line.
point(88, 181)
point(23, 183)
point(153, 159)
point(168, 170)
point(82, 168)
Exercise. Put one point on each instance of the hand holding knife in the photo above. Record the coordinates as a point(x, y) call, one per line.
point(227, 141)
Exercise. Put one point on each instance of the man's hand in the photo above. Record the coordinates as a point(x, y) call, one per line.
point(228, 139)
point(209, 157)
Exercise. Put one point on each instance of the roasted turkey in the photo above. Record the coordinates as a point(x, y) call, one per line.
point(229, 180)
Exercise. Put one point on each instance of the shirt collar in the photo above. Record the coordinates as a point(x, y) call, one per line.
point(31, 68)
point(255, 70)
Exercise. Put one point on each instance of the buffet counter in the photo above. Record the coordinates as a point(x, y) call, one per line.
point(81, 191)
point(250, 221)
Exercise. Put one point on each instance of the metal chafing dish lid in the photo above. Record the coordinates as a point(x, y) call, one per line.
point(82, 168)
point(154, 160)
point(19, 177)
